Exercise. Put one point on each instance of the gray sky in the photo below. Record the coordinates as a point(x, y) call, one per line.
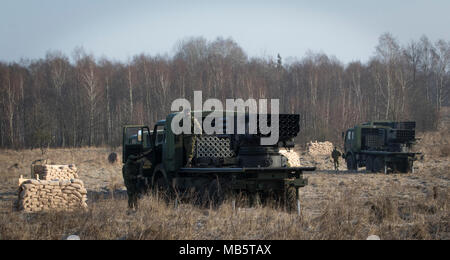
point(120, 29)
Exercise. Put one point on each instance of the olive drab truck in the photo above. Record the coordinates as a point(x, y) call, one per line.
point(218, 165)
point(380, 146)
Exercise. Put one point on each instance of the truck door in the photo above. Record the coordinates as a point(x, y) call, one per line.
point(136, 139)
point(159, 139)
point(349, 138)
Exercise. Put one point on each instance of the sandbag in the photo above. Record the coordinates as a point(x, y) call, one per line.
point(45, 195)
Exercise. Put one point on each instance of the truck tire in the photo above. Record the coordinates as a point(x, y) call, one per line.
point(351, 162)
point(378, 164)
point(160, 184)
point(218, 191)
point(404, 166)
point(369, 163)
point(143, 185)
point(254, 199)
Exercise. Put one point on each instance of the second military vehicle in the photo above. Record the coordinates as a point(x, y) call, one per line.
point(380, 146)
point(216, 165)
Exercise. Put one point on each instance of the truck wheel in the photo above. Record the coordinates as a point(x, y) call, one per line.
point(270, 197)
point(217, 192)
point(290, 198)
point(254, 199)
point(404, 166)
point(369, 163)
point(159, 183)
point(351, 162)
point(142, 185)
point(378, 164)
point(410, 166)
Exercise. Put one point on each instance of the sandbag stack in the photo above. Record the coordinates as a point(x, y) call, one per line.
point(59, 195)
point(52, 187)
point(320, 148)
point(55, 172)
point(292, 156)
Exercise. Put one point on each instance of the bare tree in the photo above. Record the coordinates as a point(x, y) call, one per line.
point(58, 68)
point(442, 69)
point(87, 72)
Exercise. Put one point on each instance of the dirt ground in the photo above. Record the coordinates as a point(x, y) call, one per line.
point(394, 206)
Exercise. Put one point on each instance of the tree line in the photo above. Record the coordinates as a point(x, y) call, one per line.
point(82, 100)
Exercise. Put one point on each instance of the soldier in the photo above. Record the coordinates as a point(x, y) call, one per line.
point(335, 155)
point(133, 177)
point(130, 176)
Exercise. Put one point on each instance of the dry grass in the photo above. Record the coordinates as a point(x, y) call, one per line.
point(92, 164)
point(445, 151)
point(344, 217)
point(433, 143)
point(393, 206)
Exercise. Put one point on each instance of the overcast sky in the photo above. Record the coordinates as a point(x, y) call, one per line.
point(120, 29)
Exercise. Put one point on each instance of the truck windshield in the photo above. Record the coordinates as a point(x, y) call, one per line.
point(137, 135)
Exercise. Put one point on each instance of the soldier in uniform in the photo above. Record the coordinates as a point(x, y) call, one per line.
point(335, 155)
point(130, 173)
point(134, 178)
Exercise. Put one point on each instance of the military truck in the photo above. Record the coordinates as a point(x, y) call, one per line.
point(216, 166)
point(380, 146)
